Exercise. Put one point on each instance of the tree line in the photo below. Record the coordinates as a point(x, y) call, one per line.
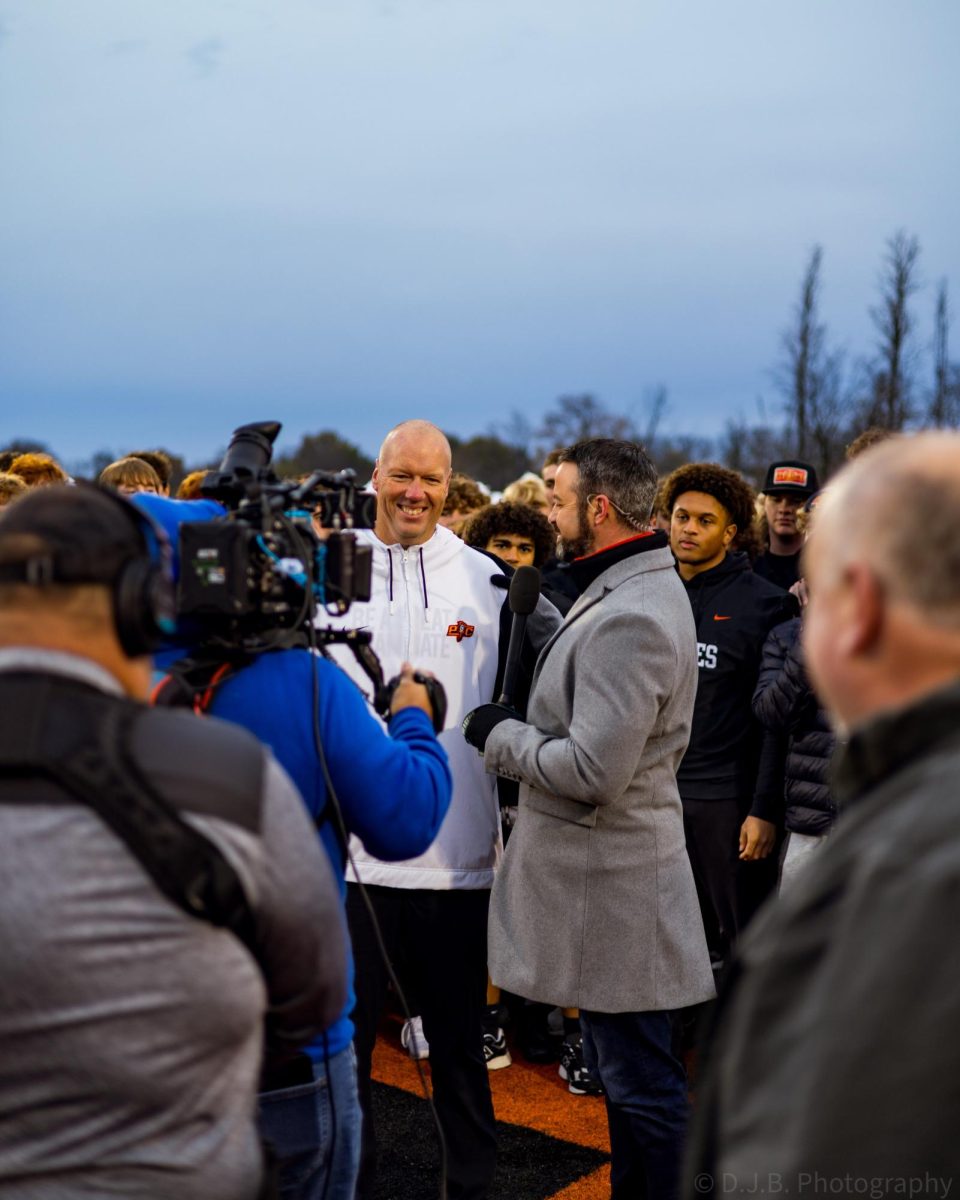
point(829, 397)
point(826, 396)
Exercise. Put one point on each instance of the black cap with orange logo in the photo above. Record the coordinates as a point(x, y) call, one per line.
point(791, 475)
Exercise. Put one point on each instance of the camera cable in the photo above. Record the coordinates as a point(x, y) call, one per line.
point(340, 826)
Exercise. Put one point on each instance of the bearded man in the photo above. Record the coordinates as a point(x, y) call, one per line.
point(595, 906)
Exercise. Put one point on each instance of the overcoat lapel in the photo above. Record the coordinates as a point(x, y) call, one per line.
point(598, 589)
point(581, 605)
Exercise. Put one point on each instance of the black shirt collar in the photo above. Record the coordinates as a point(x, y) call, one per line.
point(734, 562)
point(585, 570)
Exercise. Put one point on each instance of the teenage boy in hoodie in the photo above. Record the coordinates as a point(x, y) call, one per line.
point(728, 787)
point(439, 603)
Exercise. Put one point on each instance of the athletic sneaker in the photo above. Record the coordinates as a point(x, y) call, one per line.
point(495, 1050)
point(412, 1039)
point(580, 1080)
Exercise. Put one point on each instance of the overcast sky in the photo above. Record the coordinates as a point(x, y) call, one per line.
point(342, 213)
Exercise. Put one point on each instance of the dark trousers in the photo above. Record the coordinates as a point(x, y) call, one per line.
point(729, 891)
point(712, 829)
point(441, 940)
point(646, 1093)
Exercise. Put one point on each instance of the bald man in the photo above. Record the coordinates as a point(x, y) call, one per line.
point(837, 1058)
point(440, 603)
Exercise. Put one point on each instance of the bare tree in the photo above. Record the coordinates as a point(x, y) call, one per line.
point(574, 418)
point(670, 452)
point(750, 449)
point(810, 376)
point(944, 410)
point(890, 402)
point(516, 432)
point(656, 404)
point(940, 360)
point(831, 415)
point(803, 348)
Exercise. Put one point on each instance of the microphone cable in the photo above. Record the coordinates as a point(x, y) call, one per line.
point(340, 824)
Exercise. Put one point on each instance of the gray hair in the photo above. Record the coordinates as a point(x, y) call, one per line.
point(906, 491)
point(621, 471)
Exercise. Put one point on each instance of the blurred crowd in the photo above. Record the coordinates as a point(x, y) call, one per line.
point(779, 1064)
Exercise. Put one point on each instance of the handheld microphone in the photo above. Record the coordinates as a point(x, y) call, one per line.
point(523, 596)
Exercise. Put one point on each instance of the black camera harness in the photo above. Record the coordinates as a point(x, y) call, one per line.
point(192, 681)
point(80, 739)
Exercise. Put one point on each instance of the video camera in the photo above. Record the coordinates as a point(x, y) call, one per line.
point(264, 566)
point(255, 579)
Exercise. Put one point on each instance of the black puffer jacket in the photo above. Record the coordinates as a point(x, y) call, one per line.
point(784, 702)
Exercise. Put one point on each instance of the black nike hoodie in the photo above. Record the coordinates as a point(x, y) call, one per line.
point(734, 610)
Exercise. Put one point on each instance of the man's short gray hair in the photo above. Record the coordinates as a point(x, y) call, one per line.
point(918, 548)
point(622, 471)
point(906, 496)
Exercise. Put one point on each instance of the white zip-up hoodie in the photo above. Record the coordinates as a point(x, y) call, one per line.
point(434, 605)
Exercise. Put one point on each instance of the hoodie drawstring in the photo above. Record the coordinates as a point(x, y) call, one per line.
point(423, 579)
point(390, 581)
point(423, 584)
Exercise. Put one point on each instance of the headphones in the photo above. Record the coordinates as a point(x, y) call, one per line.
point(143, 594)
point(143, 597)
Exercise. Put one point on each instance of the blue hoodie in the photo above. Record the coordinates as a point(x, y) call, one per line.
point(393, 786)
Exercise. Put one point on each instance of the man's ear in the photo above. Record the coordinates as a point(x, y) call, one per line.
point(728, 535)
point(864, 610)
point(375, 477)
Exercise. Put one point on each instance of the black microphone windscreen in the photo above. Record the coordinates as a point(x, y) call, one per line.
point(524, 590)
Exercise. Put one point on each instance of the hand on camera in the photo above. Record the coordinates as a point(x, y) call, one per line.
point(480, 723)
point(418, 689)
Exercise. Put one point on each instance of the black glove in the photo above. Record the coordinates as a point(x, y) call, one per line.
point(478, 724)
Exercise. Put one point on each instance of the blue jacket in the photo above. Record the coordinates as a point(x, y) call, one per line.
point(393, 786)
point(394, 790)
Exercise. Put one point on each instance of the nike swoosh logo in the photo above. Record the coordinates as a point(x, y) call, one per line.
point(716, 618)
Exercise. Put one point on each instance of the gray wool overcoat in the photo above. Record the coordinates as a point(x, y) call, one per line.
point(594, 905)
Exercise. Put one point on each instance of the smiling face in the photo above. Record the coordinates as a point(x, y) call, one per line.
point(411, 479)
point(700, 532)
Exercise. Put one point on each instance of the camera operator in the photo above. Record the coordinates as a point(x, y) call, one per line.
point(393, 789)
point(163, 900)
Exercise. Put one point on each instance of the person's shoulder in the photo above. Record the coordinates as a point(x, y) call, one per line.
point(212, 767)
point(643, 577)
point(292, 663)
point(446, 550)
point(786, 632)
point(182, 726)
point(769, 597)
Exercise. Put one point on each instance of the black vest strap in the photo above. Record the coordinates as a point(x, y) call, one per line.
point(192, 681)
point(81, 739)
